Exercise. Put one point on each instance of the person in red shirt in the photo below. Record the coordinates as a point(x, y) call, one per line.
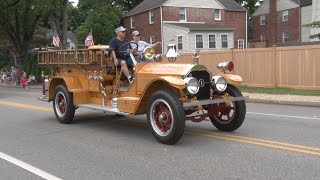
point(24, 80)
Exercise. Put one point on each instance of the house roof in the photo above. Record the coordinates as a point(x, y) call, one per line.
point(303, 2)
point(147, 5)
point(232, 5)
point(202, 27)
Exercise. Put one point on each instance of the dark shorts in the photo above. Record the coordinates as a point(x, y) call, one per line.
point(128, 61)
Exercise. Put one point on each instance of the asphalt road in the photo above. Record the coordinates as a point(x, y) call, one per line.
point(275, 142)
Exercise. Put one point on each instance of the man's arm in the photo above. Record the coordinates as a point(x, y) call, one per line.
point(114, 57)
point(153, 45)
point(113, 45)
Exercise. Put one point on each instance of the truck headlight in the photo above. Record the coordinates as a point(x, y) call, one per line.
point(219, 83)
point(192, 85)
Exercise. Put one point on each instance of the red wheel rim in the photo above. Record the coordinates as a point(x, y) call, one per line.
point(161, 117)
point(226, 113)
point(60, 104)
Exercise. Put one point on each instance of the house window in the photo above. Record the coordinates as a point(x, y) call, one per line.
point(240, 43)
point(182, 14)
point(217, 14)
point(180, 44)
point(285, 36)
point(263, 20)
point(285, 16)
point(132, 22)
point(199, 41)
point(224, 41)
point(152, 39)
point(212, 41)
point(151, 17)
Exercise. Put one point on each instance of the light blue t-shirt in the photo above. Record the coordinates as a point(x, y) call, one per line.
point(142, 45)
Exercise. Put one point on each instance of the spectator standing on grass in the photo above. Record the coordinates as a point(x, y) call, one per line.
point(3, 75)
point(17, 76)
point(24, 74)
point(13, 76)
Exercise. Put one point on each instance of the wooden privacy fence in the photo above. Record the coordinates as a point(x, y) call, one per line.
point(293, 67)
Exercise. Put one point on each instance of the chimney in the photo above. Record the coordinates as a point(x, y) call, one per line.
point(272, 23)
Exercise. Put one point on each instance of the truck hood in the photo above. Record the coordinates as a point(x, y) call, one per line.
point(168, 69)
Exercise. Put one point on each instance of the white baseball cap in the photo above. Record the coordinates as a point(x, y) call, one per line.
point(135, 33)
point(119, 29)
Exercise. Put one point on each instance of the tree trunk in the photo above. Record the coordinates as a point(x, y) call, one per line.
point(18, 58)
point(58, 19)
point(64, 23)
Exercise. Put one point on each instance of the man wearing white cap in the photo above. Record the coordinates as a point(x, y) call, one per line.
point(141, 46)
point(119, 58)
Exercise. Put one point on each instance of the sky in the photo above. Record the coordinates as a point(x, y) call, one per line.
point(74, 2)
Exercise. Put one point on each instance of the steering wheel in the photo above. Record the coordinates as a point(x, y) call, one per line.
point(126, 48)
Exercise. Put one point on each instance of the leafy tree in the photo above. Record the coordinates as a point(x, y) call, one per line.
point(315, 24)
point(19, 19)
point(126, 5)
point(102, 19)
point(251, 6)
point(58, 18)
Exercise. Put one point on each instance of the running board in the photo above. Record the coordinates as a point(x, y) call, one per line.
point(104, 109)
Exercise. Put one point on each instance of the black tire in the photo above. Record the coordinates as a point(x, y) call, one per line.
point(238, 116)
point(63, 105)
point(164, 110)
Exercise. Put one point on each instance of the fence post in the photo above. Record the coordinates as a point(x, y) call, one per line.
point(276, 68)
point(231, 51)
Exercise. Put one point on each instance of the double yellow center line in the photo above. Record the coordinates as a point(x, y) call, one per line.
point(25, 106)
point(221, 136)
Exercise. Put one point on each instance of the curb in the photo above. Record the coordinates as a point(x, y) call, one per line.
point(284, 102)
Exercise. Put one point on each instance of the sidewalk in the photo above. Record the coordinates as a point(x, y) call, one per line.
point(283, 99)
point(256, 97)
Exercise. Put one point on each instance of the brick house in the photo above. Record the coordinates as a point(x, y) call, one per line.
point(194, 25)
point(280, 22)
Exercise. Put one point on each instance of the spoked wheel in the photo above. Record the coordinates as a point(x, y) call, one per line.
point(63, 105)
point(226, 113)
point(231, 114)
point(166, 117)
point(161, 117)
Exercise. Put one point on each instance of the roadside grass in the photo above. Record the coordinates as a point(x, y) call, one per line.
point(278, 90)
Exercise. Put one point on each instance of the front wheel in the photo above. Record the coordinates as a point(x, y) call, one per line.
point(63, 105)
point(166, 117)
point(231, 114)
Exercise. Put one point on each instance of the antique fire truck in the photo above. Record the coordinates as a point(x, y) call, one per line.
point(168, 93)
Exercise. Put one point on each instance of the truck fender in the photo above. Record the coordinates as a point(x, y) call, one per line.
point(175, 82)
point(232, 78)
point(71, 83)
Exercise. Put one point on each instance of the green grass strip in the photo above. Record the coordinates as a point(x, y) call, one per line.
point(278, 90)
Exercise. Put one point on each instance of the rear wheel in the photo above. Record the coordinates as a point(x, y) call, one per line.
point(166, 117)
point(63, 105)
point(231, 114)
